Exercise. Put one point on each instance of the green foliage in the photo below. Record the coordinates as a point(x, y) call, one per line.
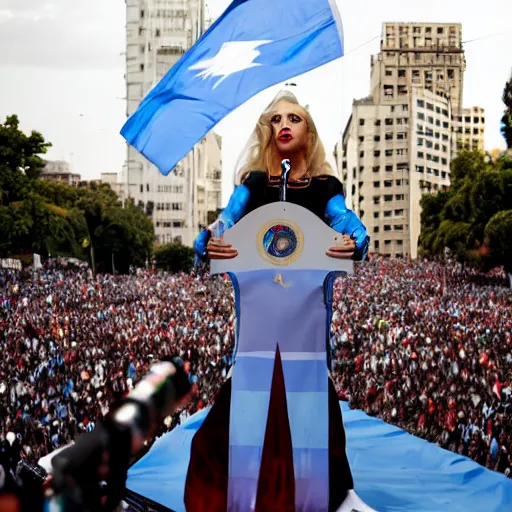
point(54, 219)
point(498, 234)
point(506, 120)
point(174, 258)
point(472, 219)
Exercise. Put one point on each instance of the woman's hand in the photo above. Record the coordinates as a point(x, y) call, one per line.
point(217, 249)
point(344, 249)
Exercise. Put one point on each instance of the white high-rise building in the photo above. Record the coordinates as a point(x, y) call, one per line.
point(399, 141)
point(158, 33)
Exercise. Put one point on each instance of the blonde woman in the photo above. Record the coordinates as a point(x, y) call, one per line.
point(286, 130)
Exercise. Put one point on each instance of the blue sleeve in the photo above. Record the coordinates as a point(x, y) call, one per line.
point(233, 212)
point(345, 221)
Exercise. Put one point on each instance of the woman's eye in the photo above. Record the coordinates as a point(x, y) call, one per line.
point(294, 118)
point(275, 119)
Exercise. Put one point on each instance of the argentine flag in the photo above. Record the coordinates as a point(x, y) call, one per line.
point(254, 44)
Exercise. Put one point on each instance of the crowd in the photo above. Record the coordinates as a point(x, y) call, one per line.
point(426, 346)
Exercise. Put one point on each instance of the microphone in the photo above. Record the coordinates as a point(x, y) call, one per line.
point(286, 167)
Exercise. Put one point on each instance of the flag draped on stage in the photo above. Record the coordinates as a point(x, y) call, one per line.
point(254, 44)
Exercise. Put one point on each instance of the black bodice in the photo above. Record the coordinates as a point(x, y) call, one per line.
point(313, 193)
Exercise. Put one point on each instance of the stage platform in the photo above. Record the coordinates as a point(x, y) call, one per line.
point(393, 471)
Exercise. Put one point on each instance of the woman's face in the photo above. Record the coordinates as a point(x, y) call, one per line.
point(289, 128)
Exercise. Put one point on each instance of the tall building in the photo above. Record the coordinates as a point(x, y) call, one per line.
point(399, 141)
point(60, 171)
point(158, 33)
point(425, 54)
point(469, 129)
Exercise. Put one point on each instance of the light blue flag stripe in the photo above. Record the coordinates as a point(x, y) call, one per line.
point(255, 44)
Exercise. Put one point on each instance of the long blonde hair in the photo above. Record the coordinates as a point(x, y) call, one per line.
point(259, 152)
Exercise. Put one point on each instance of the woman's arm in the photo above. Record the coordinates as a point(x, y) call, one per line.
point(228, 218)
point(345, 221)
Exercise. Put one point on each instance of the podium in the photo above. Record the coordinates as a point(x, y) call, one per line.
point(283, 282)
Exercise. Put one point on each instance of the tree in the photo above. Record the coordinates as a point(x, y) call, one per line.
point(125, 237)
point(174, 258)
point(472, 218)
point(506, 120)
point(54, 218)
point(498, 234)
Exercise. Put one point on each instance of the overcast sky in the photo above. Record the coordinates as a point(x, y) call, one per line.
point(61, 71)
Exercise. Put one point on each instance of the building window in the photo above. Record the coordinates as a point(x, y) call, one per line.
point(420, 141)
point(141, 189)
point(376, 199)
point(399, 197)
point(376, 229)
point(440, 30)
point(361, 139)
point(361, 122)
point(444, 161)
point(157, 32)
point(389, 121)
point(376, 153)
point(401, 136)
point(389, 136)
point(389, 72)
point(401, 73)
point(377, 122)
point(389, 168)
point(388, 183)
point(421, 116)
point(388, 198)
point(361, 154)
point(376, 184)
point(405, 108)
point(402, 90)
point(387, 227)
point(387, 213)
point(429, 144)
point(376, 138)
point(399, 227)
point(375, 215)
point(399, 213)
point(376, 244)
point(430, 120)
point(389, 152)
point(388, 91)
point(376, 168)
point(421, 154)
point(142, 67)
point(142, 13)
point(451, 74)
point(420, 103)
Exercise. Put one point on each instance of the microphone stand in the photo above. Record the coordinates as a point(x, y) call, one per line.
point(286, 167)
